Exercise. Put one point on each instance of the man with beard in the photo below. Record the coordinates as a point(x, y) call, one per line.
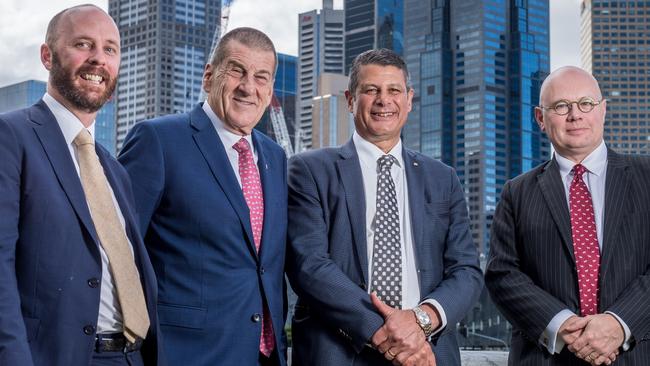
point(76, 285)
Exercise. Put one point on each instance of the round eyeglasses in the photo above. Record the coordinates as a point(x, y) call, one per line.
point(563, 107)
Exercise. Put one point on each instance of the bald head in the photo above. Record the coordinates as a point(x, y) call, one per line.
point(565, 80)
point(54, 26)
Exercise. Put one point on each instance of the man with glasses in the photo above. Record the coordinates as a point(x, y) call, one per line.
point(569, 261)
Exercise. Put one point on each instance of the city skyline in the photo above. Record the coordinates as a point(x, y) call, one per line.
point(23, 23)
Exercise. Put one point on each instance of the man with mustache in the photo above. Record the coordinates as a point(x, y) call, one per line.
point(211, 192)
point(76, 285)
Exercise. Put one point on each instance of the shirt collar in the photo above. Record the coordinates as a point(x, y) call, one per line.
point(69, 124)
point(369, 152)
point(228, 138)
point(595, 162)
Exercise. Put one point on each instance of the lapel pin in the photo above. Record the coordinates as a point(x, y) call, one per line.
point(416, 163)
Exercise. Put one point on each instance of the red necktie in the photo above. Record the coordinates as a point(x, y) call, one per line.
point(585, 242)
point(252, 188)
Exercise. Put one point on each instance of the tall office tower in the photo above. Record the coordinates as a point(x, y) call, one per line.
point(372, 24)
point(476, 67)
point(26, 93)
point(615, 48)
point(320, 45)
point(332, 122)
point(284, 88)
point(165, 45)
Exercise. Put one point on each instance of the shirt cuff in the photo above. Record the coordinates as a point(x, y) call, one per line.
point(441, 312)
point(549, 338)
point(626, 330)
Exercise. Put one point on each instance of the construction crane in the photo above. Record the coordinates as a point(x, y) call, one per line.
point(280, 126)
point(221, 29)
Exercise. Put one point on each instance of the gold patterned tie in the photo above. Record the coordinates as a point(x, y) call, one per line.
point(112, 237)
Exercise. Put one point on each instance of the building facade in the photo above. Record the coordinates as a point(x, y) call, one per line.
point(373, 24)
point(332, 122)
point(165, 46)
point(615, 48)
point(476, 68)
point(320, 50)
point(26, 93)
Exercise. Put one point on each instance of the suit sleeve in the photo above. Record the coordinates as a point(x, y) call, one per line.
point(331, 294)
point(462, 277)
point(143, 159)
point(14, 350)
point(526, 305)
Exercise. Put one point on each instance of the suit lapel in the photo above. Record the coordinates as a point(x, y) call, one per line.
point(415, 182)
point(554, 193)
point(349, 172)
point(214, 153)
point(617, 185)
point(51, 138)
point(264, 166)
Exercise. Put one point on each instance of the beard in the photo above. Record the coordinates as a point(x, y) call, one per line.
point(63, 81)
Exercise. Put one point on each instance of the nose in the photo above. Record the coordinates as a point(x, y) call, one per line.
point(574, 112)
point(382, 98)
point(97, 57)
point(246, 84)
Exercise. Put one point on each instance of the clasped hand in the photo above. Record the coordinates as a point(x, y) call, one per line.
point(593, 338)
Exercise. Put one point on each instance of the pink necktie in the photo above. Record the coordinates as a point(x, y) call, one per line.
point(585, 242)
point(252, 188)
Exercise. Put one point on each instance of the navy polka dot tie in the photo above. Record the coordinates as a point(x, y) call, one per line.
point(585, 242)
point(387, 255)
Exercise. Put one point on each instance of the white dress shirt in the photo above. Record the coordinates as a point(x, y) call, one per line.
point(368, 155)
point(228, 139)
point(110, 314)
point(594, 178)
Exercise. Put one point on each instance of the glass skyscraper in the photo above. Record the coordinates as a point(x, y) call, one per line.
point(476, 67)
point(615, 48)
point(26, 93)
point(165, 46)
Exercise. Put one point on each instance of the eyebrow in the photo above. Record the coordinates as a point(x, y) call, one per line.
point(88, 38)
point(239, 64)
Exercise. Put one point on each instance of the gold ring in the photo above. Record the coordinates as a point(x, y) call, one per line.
point(391, 354)
point(588, 358)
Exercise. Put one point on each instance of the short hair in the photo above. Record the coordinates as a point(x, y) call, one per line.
point(52, 33)
point(249, 37)
point(380, 56)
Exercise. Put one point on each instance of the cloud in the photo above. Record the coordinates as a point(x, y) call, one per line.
point(565, 33)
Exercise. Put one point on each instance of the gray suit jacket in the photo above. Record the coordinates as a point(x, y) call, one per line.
point(531, 271)
point(327, 260)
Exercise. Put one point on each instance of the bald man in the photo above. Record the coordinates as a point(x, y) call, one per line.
point(76, 285)
point(569, 262)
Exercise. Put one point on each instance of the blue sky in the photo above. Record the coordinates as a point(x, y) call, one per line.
point(23, 23)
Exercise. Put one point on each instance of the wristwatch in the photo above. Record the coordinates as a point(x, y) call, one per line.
point(424, 321)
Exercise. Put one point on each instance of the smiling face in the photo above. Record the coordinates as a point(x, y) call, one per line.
point(240, 87)
point(577, 134)
point(380, 104)
point(83, 58)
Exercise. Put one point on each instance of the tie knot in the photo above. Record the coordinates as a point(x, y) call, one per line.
point(83, 138)
point(241, 146)
point(579, 170)
point(385, 162)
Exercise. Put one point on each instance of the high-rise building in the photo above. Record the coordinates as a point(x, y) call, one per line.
point(615, 48)
point(26, 93)
point(476, 67)
point(284, 89)
point(373, 24)
point(332, 122)
point(165, 46)
point(320, 47)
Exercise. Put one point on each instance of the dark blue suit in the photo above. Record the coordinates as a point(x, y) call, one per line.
point(211, 279)
point(49, 256)
point(327, 260)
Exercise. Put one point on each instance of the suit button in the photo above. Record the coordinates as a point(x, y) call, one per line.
point(256, 318)
point(89, 329)
point(261, 270)
point(363, 285)
point(93, 282)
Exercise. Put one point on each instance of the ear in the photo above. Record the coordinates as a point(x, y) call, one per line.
point(350, 99)
point(46, 56)
point(539, 117)
point(207, 77)
point(409, 99)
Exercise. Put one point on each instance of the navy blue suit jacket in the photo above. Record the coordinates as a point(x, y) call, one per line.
point(197, 230)
point(49, 255)
point(327, 260)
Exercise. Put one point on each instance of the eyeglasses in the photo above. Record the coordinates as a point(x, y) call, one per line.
point(563, 107)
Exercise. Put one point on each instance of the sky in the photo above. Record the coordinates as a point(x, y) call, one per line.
point(23, 24)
